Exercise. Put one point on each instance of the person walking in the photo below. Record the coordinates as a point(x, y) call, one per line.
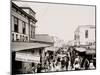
point(63, 63)
point(77, 63)
point(39, 68)
point(67, 62)
point(86, 64)
point(58, 65)
point(91, 66)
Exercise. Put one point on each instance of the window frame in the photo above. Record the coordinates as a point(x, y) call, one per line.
point(23, 27)
point(86, 33)
point(16, 21)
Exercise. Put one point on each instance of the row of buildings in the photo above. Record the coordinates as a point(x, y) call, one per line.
point(27, 47)
point(85, 37)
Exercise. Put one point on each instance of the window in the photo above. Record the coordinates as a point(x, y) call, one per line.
point(33, 29)
point(86, 34)
point(32, 32)
point(24, 27)
point(15, 24)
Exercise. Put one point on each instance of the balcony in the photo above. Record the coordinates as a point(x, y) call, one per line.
point(18, 37)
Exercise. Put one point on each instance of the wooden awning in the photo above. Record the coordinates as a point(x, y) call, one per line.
point(17, 46)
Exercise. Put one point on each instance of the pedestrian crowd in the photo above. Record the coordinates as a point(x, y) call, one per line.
point(65, 61)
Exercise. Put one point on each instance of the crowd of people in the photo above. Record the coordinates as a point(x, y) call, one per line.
point(64, 61)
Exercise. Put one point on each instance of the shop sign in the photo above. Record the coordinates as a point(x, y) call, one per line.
point(27, 57)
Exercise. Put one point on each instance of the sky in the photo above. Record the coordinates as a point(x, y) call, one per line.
point(60, 20)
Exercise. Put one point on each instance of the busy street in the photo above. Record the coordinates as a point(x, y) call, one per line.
point(52, 37)
point(68, 60)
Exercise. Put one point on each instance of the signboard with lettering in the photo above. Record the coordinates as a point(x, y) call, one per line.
point(27, 57)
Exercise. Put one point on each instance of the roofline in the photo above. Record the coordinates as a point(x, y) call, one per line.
point(18, 8)
point(41, 34)
point(28, 8)
point(84, 26)
point(43, 41)
point(58, 3)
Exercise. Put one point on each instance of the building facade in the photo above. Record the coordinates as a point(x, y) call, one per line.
point(85, 35)
point(23, 24)
point(25, 52)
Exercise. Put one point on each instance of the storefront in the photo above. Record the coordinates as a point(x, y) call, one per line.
point(25, 56)
point(28, 60)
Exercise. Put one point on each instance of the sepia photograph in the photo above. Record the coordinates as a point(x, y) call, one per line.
point(52, 37)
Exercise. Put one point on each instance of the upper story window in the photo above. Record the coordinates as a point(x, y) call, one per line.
point(15, 24)
point(33, 34)
point(32, 31)
point(24, 27)
point(86, 34)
